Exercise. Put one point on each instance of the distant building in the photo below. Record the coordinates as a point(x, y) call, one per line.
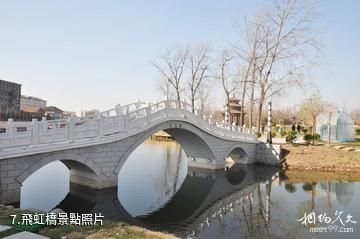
point(235, 111)
point(9, 98)
point(31, 101)
point(89, 113)
point(31, 112)
point(69, 113)
point(53, 112)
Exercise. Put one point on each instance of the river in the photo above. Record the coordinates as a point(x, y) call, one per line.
point(158, 191)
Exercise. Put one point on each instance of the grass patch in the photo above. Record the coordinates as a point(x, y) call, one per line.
point(109, 229)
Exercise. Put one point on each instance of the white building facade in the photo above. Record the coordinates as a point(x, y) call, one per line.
point(30, 101)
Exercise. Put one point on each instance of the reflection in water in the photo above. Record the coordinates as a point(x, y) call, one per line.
point(153, 172)
point(46, 187)
point(158, 191)
point(343, 191)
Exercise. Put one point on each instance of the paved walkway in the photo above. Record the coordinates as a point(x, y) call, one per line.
point(341, 147)
point(26, 235)
point(4, 228)
point(21, 235)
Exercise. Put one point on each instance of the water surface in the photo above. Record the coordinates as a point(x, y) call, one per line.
point(157, 190)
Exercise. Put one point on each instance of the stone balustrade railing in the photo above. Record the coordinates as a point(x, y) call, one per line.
point(119, 120)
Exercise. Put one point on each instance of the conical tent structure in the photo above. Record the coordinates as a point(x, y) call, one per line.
point(341, 127)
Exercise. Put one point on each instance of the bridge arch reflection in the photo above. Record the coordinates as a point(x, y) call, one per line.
point(198, 198)
point(189, 136)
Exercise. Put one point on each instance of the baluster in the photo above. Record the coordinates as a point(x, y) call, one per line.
point(166, 104)
point(126, 122)
point(71, 128)
point(118, 109)
point(148, 113)
point(100, 120)
point(11, 130)
point(35, 132)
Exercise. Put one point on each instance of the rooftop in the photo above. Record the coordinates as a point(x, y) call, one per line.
point(9, 82)
point(31, 97)
point(30, 109)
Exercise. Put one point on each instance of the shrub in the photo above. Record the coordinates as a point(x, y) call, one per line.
point(357, 131)
point(258, 134)
point(273, 134)
point(304, 130)
point(282, 133)
point(291, 136)
point(308, 138)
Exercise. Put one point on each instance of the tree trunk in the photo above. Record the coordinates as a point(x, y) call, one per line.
point(252, 104)
point(178, 98)
point(261, 103)
point(259, 117)
point(242, 105)
point(313, 129)
point(228, 108)
point(193, 104)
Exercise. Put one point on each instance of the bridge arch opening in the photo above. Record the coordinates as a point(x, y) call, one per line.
point(237, 155)
point(54, 172)
point(75, 163)
point(189, 137)
point(158, 164)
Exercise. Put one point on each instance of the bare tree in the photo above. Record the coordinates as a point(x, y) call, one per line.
point(165, 90)
point(286, 41)
point(311, 108)
point(228, 81)
point(284, 116)
point(204, 98)
point(172, 67)
point(248, 57)
point(200, 63)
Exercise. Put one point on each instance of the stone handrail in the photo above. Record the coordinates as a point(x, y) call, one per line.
point(121, 119)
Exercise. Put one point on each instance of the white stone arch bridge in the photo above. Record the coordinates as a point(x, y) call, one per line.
point(95, 148)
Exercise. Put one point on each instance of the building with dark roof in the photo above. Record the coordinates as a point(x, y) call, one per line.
point(53, 112)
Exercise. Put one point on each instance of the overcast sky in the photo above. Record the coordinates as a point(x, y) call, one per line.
point(94, 54)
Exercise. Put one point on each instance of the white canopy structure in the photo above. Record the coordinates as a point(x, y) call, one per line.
point(341, 127)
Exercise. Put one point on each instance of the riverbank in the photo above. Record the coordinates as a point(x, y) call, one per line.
point(321, 158)
point(298, 176)
point(108, 230)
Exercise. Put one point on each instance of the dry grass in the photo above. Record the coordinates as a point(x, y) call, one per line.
point(297, 176)
point(321, 158)
point(124, 231)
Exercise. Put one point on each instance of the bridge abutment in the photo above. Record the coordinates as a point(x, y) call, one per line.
point(86, 180)
point(206, 163)
point(10, 188)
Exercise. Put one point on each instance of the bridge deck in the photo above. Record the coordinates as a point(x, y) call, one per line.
point(26, 138)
